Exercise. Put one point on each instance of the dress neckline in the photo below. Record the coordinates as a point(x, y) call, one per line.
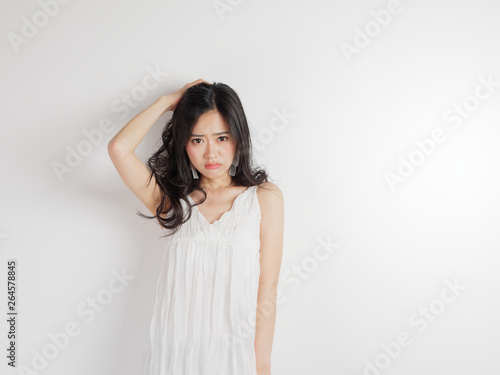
point(227, 213)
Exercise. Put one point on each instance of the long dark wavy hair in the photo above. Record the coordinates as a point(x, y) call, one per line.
point(171, 165)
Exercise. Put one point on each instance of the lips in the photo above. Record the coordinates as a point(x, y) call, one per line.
point(212, 165)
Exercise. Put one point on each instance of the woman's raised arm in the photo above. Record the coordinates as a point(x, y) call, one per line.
point(121, 150)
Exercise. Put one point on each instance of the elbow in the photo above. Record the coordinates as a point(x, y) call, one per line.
point(110, 147)
point(114, 149)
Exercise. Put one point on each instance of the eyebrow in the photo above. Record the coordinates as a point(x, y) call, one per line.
point(202, 135)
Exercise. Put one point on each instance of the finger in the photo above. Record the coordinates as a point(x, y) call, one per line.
point(204, 80)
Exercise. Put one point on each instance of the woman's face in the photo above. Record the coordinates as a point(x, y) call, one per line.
point(211, 142)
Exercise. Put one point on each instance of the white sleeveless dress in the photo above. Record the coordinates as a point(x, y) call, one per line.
point(204, 314)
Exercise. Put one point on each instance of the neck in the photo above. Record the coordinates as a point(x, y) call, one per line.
point(216, 184)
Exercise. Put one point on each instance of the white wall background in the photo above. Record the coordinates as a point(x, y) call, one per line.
point(380, 302)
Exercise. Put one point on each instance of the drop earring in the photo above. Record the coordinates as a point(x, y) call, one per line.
point(195, 174)
point(234, 165)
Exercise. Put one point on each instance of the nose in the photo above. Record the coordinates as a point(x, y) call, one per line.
point(211, 148)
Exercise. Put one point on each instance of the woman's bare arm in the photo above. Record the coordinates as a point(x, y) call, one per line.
point(132, 134)
point(121, 150)
point(271, 251)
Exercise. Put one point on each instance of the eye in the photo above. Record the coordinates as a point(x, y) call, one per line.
point(199, 139)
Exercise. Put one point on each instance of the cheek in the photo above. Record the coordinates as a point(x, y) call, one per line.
point(229, 147)
point(191, 151)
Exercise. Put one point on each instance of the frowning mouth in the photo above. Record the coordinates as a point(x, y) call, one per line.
point(212, 166)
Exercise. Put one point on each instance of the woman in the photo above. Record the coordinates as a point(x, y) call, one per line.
point(215, 304)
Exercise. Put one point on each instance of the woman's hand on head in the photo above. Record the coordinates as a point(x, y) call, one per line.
point(175, 97)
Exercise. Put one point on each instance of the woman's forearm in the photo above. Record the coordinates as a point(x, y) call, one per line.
point(132, 134)
point(264, 327)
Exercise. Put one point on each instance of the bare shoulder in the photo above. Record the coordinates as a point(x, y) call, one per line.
point(270, 198)
point(271, 235)
point(269, 189)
